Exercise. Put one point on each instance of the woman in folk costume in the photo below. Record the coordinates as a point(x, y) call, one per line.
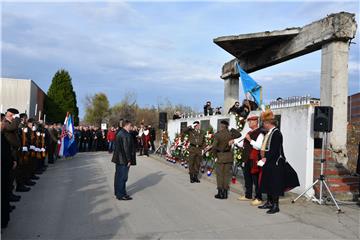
point(146, 141)
point(277, 175)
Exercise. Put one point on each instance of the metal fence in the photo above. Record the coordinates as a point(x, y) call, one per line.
point(293, 102)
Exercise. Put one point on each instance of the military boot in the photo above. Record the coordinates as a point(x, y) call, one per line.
point(196, 179)
point(192, 178)
point(275, 207)
point(219, 195)
point(225, 194)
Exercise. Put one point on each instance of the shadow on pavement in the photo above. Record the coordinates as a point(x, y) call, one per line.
point(145, 182)
point(70, 201)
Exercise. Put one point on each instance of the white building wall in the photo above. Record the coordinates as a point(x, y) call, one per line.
point(15, 93)
point(296, 127)
point(21, 94)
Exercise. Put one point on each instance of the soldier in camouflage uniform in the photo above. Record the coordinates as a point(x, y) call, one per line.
point(223, 157)
point(197, 144)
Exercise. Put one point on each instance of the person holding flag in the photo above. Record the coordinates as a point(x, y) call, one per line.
point(251, 88)
point(68, 146)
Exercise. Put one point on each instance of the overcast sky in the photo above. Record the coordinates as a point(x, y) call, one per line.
point(157, 50)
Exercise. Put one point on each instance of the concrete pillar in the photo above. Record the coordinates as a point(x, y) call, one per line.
point(334, 92)
point(231, 92)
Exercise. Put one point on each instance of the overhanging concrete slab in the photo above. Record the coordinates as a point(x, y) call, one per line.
point(256, 51)
point(241, 45)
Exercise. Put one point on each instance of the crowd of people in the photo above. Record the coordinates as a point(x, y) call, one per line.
point(245, 108)
point(28, 146)
point(92, 138)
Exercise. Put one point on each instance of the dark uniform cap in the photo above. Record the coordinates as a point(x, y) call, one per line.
point(226, 123)
point(30, 120)
point(13, 110)
point(22, 115)
point(196, 122)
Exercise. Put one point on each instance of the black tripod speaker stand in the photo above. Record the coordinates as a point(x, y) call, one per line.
point(321, 179)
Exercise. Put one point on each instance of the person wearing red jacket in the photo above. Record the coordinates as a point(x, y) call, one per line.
point(111, 135)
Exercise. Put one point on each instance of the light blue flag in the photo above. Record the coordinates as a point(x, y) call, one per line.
point(70, 148)
point(249, 85)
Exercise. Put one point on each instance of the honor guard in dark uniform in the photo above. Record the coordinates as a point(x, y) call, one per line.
point(11, 126)
point(32, 154)
point(24, 154)
point(7, 164)
point(197, 144)
point(223, 157)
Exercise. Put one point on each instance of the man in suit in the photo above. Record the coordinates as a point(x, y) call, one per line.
point(123, 157)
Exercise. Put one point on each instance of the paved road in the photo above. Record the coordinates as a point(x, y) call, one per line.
point(74, 200)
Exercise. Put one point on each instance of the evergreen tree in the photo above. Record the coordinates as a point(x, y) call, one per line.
point(61, 98)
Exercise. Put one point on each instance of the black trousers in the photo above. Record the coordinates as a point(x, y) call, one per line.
point(250, 181)
point(152, 146)
point(5, 194)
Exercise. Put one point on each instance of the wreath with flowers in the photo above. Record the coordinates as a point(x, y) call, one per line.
point(238, 152)
point(240, 124)
point(208, 156)
point(179, 149)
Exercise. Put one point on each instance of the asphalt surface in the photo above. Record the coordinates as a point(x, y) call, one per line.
point(74, 200)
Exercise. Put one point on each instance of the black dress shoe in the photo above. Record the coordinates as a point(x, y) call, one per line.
point(30, 183)
point(12, 198)
point(34, 177)
point(22, 189)
point(15, 196)
point(267, 205)
point(12, 208)
point(124, 198)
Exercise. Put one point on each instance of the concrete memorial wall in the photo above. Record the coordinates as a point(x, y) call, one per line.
point(296, 125)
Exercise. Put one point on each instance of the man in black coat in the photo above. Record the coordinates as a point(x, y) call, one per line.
point(123, 157)
point(274, 180)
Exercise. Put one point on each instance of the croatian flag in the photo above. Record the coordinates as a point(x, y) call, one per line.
point(68, 146)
